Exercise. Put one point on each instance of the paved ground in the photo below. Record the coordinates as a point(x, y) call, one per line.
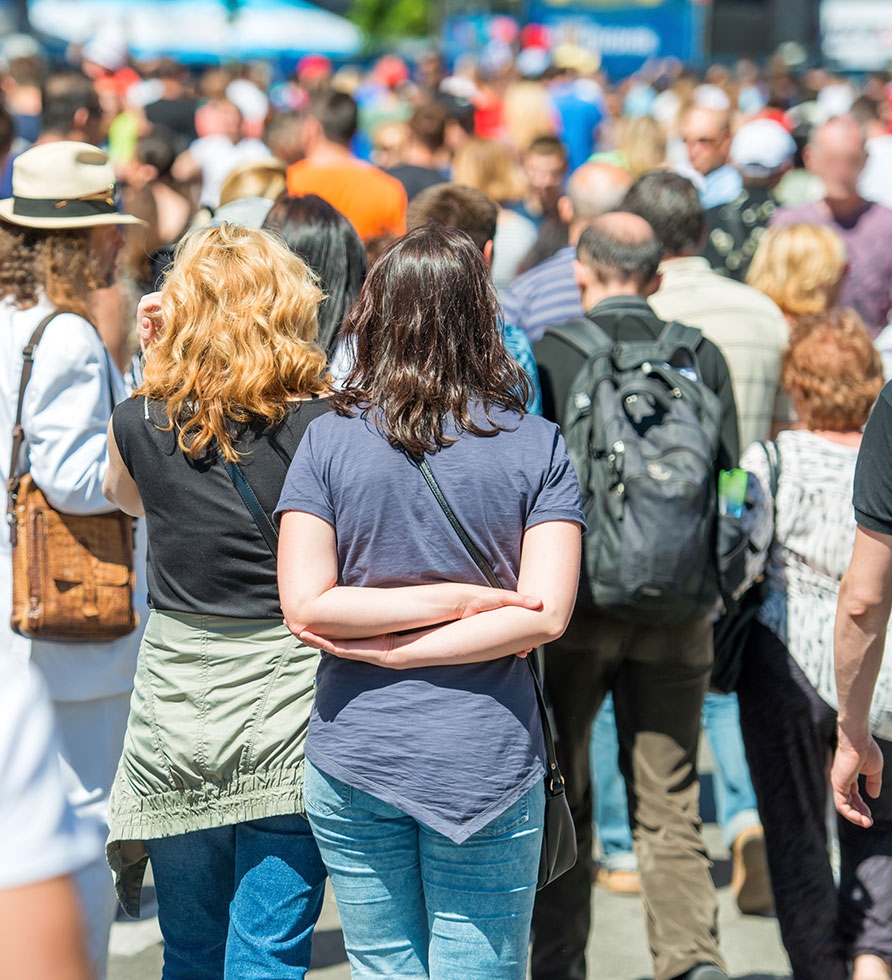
point(618, 950)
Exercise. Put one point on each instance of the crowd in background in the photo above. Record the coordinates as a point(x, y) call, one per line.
point(749, 202)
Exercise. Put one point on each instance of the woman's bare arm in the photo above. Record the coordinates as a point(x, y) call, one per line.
point(549, 568)
point(313, 602)
point(118, 485)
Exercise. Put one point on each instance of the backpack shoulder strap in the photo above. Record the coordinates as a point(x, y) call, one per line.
point(584, 335)
point(681, 337)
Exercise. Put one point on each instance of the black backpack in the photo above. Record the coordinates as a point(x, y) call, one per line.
point(643, 431)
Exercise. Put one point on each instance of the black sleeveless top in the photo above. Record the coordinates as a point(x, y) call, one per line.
point(206, 555)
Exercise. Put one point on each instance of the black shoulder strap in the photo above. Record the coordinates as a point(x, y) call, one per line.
point(264, 525)
point(483, 564)
point(678, 335)
point(584, 335)
point(480, 559)
point(772, 454)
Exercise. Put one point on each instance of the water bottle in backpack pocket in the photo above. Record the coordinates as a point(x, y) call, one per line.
point(643, 432)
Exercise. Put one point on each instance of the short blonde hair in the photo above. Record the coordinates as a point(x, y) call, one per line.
point(256, 178)
point(489, 166)
point(799, 266)
point(833, 371)
point(238, 338)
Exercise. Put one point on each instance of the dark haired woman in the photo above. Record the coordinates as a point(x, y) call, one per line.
point(425, 791)
point(330, 246)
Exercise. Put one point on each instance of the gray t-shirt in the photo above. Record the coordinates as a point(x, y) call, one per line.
point(454, 746)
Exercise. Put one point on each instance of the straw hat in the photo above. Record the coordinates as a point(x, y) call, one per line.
point(63, 185)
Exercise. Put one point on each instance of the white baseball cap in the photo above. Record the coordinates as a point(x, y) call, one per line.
point(761, 147)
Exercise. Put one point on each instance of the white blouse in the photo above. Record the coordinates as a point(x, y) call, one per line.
point(65, 418)
point(814, 533)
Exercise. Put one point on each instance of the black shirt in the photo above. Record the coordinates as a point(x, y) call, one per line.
point(735, 230)
point(206, 554)
point(631, 318)
point(416, 179)
point(873, 474)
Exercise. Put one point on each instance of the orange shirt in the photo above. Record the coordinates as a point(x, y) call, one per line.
point(373, 201)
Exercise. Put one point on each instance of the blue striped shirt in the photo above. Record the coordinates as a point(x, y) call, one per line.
point(544, 296)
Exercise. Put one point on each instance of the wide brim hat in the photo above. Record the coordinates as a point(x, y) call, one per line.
point(63, 185)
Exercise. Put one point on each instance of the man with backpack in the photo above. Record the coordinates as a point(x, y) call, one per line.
point(648, 412)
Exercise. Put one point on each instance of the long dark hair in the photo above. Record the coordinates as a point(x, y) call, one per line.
point(330, 246)
point(428, 344)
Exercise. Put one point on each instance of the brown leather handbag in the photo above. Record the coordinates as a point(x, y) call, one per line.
point(72, 575)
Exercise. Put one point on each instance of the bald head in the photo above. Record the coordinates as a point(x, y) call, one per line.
point(625, 227)
point(593, 189)
point(836, 154)
point(707, 138)
point(620, 249)
point(838, 131)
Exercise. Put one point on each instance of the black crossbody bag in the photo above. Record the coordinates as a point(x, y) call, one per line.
point(559, 841)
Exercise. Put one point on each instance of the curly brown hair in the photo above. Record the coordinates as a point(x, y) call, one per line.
point(58, 264)
point(833, 371)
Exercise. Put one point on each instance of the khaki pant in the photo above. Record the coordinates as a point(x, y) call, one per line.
point(659, 678)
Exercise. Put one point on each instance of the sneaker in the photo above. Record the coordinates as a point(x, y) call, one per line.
point(619, 882)
point(706, 971)
point(750, 884)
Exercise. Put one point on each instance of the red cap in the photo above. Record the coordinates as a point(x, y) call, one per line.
point(314, 66)
point(391, 71)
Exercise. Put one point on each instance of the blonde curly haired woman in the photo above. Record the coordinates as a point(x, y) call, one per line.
point(211, 779)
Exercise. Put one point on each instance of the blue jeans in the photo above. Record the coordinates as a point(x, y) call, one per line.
point(413, 903)
point(611, 804)
point(735, 797)
point(238, 902)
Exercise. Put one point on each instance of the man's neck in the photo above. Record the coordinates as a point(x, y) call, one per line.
point(575, 229)
point(419, 156)
point(715, 170)
point(328, 154)
point(594, 295)
point(681, 255)
point(843, 209)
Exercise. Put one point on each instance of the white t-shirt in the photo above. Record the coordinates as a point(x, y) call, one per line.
point(40, 837)
point(218, 156)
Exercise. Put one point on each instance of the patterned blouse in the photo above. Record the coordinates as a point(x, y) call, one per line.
point(814, 532)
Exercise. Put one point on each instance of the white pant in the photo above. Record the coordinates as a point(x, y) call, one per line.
point(91, 737)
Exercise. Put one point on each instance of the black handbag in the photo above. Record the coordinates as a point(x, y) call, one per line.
point(559, 841)
point(731, 631)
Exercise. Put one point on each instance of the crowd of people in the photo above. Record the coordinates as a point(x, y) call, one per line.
point(414, 377)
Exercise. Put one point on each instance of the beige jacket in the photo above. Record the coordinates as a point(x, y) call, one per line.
point(748, 328)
